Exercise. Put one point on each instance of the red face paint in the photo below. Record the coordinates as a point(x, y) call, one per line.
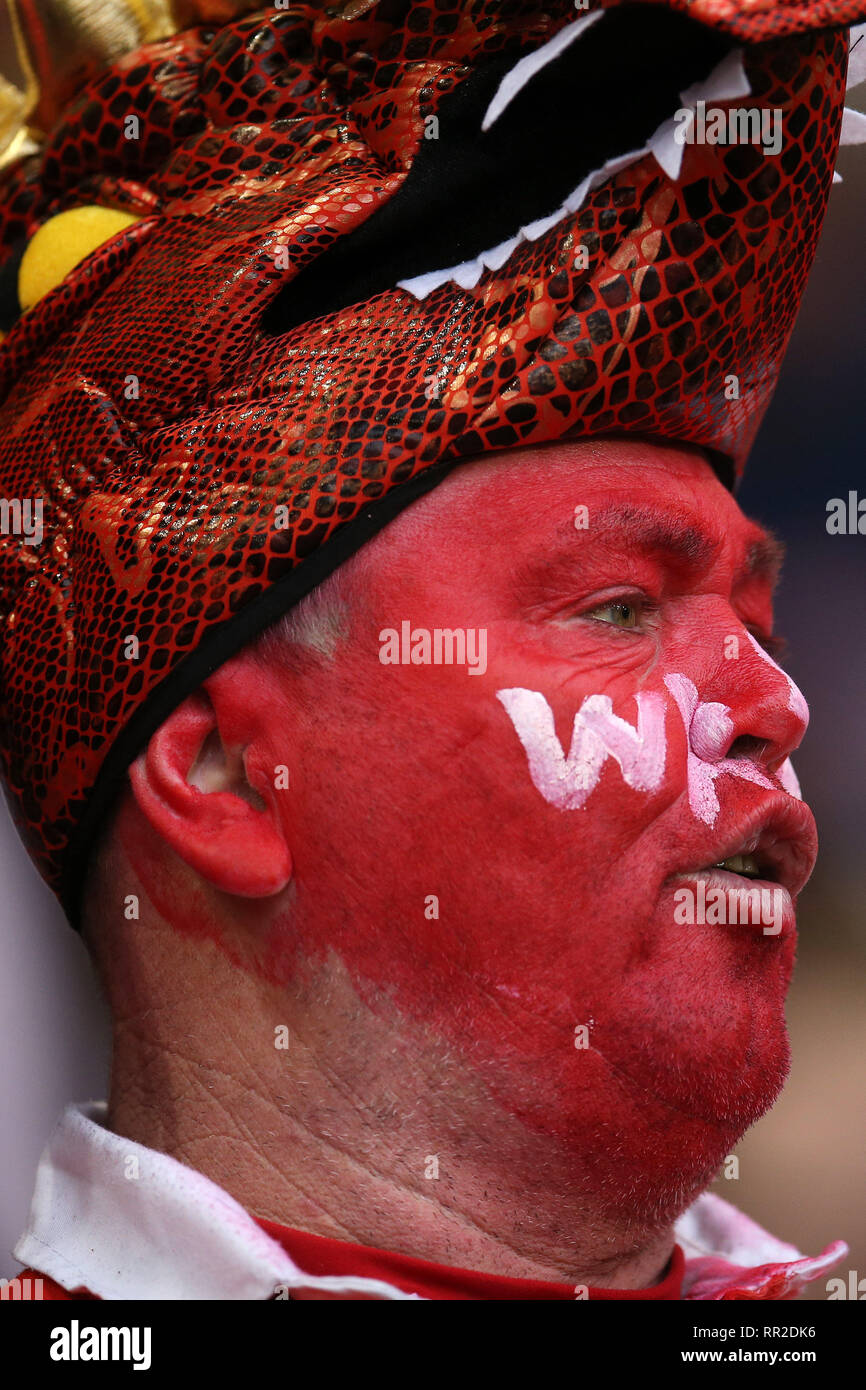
point(410, 784)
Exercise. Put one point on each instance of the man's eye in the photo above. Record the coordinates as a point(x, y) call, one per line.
point(618, 613)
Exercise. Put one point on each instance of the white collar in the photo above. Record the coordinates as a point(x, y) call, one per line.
point(127, 1222)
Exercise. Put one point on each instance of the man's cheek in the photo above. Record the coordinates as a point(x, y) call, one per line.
point(565, 663)
point(553, 897)
point(515, 903)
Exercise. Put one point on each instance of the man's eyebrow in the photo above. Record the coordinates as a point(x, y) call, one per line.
point(643, 527)
point(764, 557)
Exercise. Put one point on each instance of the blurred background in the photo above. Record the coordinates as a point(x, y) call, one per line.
point(801, 1168)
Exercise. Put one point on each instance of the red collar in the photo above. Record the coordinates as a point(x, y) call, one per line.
point(321, 1255)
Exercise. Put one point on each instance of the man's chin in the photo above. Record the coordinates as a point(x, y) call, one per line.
point(702, 1033)
point(729, 1085)
point(684, 1124)
point(649, 1114)
point(689, 1110)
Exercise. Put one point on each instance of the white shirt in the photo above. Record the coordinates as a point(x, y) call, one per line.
point(127, 1222)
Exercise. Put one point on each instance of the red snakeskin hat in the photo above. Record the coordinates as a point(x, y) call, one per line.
point(371, 243)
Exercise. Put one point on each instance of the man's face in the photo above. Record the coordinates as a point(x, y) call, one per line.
point(522, 907)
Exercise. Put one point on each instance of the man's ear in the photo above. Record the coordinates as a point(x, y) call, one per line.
point(191, 783)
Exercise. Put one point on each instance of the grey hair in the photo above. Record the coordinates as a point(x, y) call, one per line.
point(319, 621)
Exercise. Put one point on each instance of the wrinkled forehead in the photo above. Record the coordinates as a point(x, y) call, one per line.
point(622, 492)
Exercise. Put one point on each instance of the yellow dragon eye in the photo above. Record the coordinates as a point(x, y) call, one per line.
point(61, 244)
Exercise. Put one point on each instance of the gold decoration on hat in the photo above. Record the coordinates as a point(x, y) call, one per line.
point(50, 48)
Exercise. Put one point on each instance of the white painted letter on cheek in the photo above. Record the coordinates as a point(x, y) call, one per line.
point(598, 734)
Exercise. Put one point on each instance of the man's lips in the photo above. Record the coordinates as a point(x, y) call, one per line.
point(776, 843)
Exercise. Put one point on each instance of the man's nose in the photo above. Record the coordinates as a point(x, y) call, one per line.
point(768, 715)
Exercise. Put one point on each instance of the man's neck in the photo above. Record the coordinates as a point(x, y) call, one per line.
point(317, 1113)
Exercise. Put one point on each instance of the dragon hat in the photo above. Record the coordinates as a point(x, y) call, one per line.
point(268, 276)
